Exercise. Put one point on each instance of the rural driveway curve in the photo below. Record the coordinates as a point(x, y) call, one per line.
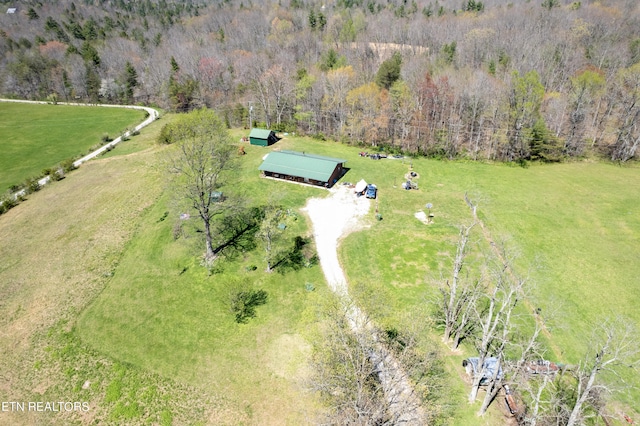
point(333, 218)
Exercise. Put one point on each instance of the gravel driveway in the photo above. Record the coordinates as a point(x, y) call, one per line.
point(333, 218)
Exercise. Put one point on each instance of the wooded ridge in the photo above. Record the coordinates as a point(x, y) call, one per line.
point(495, 80)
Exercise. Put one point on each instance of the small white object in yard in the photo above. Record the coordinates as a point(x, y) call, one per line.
point(86, 384)
point(185, 216)
point(422, 217)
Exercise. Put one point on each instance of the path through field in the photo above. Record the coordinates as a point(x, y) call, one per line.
point(333, 218)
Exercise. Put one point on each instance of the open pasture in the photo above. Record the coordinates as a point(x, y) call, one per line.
point(152, 326)
point(38, 136)
point(570, 223)
point(574, 229)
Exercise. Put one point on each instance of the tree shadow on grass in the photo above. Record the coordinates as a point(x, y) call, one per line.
point(301, 255)
point(244, 303)
point(237, 232)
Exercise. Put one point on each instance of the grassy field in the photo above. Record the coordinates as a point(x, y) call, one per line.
point(574, 226)
point(113, 299)
point(37, 136)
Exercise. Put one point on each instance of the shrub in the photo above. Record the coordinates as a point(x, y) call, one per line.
point(57, 175)
point(105, 138)
point(67, 165)
point(53, 99)
point(32, 185)
point(319, 136)
point(177, 230)
point(7, 203)
point(165, 137)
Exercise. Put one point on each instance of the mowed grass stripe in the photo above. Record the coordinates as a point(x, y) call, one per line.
point(37, 136)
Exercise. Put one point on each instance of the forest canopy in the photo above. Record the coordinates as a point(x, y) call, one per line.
point(494, 80)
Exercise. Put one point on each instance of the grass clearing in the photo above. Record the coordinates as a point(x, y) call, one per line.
point(177, 320)
point(573, 225)
point(39, 136)
point(59, 250)
point(112, 298)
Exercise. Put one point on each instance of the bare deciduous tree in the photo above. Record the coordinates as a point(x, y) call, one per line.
point(367, 376)
point(270, 233)
point(628, 134)
point(459, 295)
point(614, 351)
point(494, 315)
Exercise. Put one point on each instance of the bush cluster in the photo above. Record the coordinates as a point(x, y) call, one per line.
point(18, 193)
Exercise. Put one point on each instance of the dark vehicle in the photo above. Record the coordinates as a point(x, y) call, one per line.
point(372, 191)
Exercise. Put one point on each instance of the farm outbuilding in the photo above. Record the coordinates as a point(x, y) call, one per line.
point(303, 167)
point(262, 137)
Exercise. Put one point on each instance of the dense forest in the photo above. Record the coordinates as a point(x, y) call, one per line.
point(545, 80)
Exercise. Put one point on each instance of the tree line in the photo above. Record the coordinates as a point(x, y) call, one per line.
point(495, 80)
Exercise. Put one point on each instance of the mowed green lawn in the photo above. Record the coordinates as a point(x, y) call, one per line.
point(573, 225)
point(38, 136)
point(164, 313)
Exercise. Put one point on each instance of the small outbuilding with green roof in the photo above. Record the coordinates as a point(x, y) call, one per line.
point(303, 167)
point(262, 137)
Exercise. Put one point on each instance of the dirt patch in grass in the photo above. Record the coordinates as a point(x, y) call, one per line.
point(287, 357)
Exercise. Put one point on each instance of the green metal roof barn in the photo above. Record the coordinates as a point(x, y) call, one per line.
point(303, 167)
point(262, 137)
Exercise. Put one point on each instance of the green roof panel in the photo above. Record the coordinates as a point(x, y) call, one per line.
point(300, 164)
point(259, 133)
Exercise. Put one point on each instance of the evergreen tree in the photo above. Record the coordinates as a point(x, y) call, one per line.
point(90, 54)
point(32, 14)
point(313, 20)
point(130, 81)
point(389, 71)
point(322, 21)
point(449, 52)
point(174, 65)
point(542, 144)
point(92, 83)
point(331, 60)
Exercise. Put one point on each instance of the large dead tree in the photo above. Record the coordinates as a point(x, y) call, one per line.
point(494, 316)
point(459, 295)
point(615, 351)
